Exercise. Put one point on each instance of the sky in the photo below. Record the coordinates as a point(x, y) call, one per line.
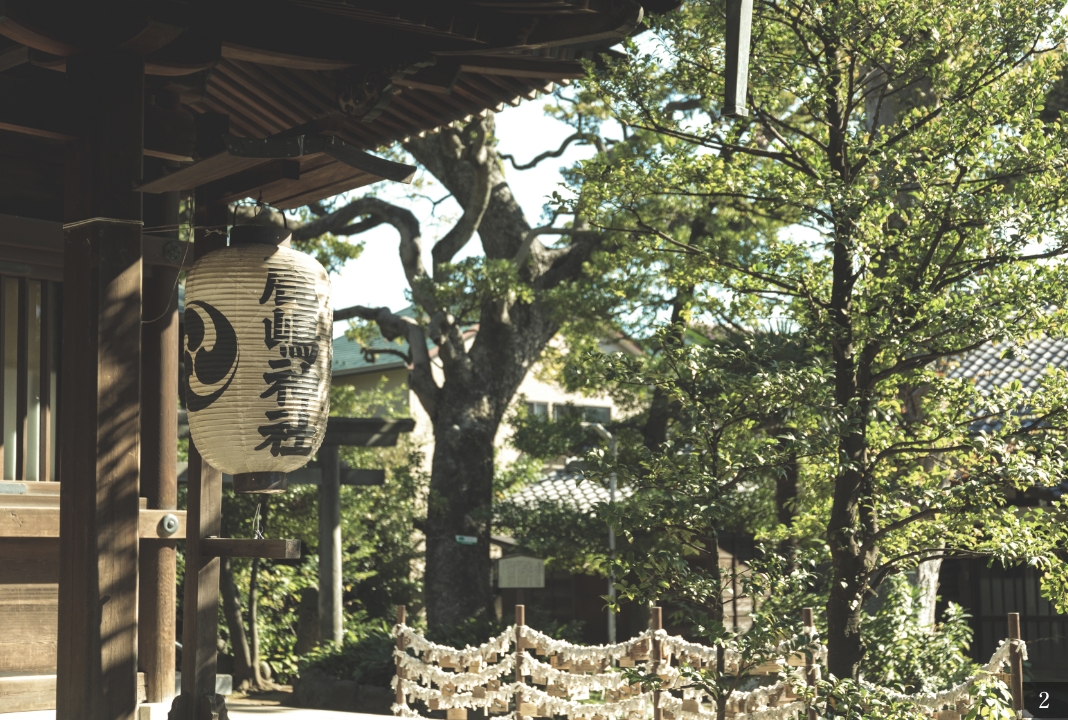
point(376, 278)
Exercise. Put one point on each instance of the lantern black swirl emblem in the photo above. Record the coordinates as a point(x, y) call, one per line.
point(208, 373)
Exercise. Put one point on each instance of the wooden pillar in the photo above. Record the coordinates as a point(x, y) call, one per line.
point(200, 611)
point(812, 673)
point(1016, 663)
point(739, 30)
point(520, 622)
point(401, 698)
point(657, 624)
point(331, 627)
point(159, 452)
point(97, 646)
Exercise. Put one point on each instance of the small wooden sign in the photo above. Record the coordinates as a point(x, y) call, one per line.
point(521, 571)
point(456, 714)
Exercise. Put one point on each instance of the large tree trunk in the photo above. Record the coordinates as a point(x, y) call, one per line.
point(456, 585)
point(786, 504)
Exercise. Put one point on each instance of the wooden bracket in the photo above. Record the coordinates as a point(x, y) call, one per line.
point(213, 547)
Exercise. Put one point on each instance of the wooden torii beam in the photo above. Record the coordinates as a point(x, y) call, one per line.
point(739, 32)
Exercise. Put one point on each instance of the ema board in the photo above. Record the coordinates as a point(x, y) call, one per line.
point(520, 571)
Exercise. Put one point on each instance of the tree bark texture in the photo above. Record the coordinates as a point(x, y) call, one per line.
point(480, 381)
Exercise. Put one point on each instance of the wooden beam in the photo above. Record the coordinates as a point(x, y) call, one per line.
point(525, 67)
point(27, 692)
point(97, 662)
point(46, 109)
point(247, 182)
point(31, 561)
point(28, 521)
point(170, 133)
point(13, 57)
point(262, 56)
point(295, 146)
point(21, 31)
point(250, 548)
point(366, 432)
point(362, 477)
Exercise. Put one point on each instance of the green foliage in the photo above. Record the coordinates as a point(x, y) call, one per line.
point(847, 700)
point(366, 656)
point(991, 700)
point(896, 199)
point(331, 251)
point(911, 658)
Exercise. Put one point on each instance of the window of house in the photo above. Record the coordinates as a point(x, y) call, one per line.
point(539, 410)
point(597, 414)
point(589, 413)
point(29, 340)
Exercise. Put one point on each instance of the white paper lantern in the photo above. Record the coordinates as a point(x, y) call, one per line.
point(257, 350)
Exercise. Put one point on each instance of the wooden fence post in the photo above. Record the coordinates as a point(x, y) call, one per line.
point(520, 621)
point(812, 673)
point(401, 698)
point(657, 624)
point(1016, 663)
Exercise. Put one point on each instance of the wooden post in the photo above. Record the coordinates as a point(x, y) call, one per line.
point(331, 627)
point(657, 624)
point(200, 626)
point(812, 673)
point(739, 30)
point(1016, 663)
point(97, 645)
point(520, 622)
point(157, 593)
point(402, 698)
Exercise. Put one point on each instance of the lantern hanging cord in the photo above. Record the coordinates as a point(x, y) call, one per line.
point(174, 290)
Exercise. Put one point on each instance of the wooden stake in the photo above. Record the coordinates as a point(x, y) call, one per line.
point(331, 625)
point(1016, 663)
point(657, 624)
point(812, 673)
point(739, 29)
point(401, 698)
point(520, 622)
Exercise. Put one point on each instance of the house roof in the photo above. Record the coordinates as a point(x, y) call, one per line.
point(990, 370)
point(568, 489)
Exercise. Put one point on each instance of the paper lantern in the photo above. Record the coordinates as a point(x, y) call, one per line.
point(258, 344)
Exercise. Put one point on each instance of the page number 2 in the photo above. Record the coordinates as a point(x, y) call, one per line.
point(1044, 696)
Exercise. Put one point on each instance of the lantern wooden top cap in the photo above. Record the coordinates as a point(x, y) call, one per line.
point(260, 235)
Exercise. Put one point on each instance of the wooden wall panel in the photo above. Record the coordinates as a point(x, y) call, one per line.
point(28, 641)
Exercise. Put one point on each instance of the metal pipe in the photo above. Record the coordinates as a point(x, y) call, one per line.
point(613, 448)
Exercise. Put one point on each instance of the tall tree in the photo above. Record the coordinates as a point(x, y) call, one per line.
point(519, 293)
point(921, 234)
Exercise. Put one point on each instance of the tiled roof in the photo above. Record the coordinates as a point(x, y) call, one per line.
point(990, 370)
point(349, 358)
point(567, 489)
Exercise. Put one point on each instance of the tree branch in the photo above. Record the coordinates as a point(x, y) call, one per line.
point(393, 326)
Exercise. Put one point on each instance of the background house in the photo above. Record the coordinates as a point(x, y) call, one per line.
point(987, 592)
point(389, 372)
